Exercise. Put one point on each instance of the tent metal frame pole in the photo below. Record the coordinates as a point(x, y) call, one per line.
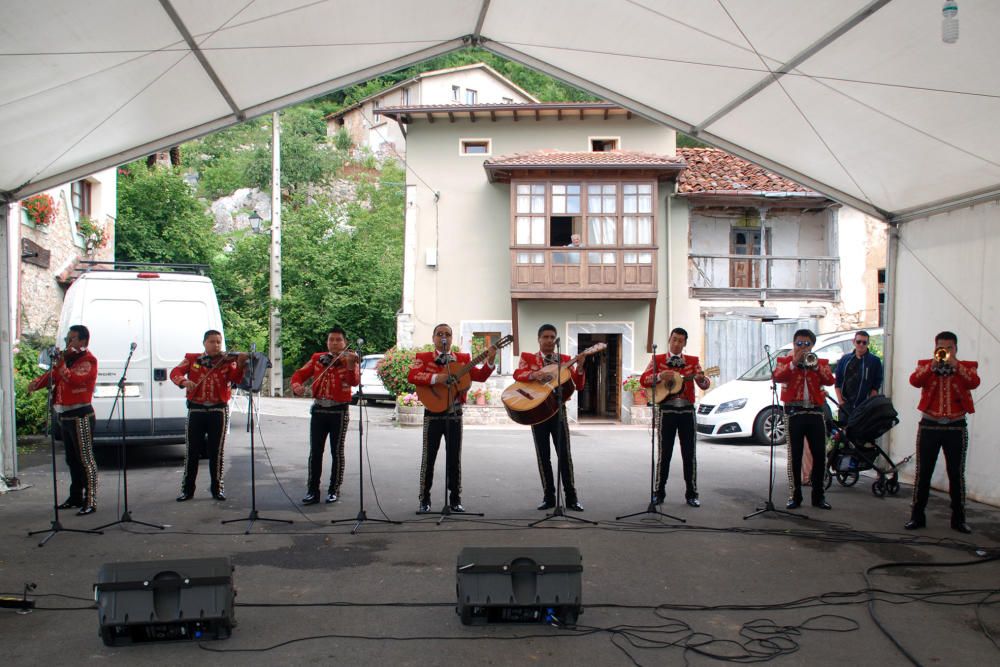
point(8, 426)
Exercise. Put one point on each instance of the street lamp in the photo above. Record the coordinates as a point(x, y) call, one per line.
point(255, 222)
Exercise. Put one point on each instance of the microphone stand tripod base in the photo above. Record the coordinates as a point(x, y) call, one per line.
point(127, 518)
point(252, 517)
point(57, 527)
point(769, 507)
point(651, 509)
point(361, 518)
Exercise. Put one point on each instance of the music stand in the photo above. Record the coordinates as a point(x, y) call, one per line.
point(558, 512)
point(122, 456)
point(362, 515)
point(55, 526)
point(251, 384)
point(655, 420)
point(769, 503)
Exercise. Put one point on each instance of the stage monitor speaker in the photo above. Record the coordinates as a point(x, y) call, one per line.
point(519, 585)
point(148, 601)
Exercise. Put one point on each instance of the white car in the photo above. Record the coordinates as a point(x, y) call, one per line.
point(741, 408)
point(371, 384)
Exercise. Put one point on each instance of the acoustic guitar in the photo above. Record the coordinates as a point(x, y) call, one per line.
point(438, 397)
point(531, 403)
point(672, 386)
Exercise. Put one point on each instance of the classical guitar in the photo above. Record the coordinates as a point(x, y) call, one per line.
point(439, 397)
point(672, 386)
point(531, 403)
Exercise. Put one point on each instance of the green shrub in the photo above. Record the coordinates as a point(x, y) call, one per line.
point(395, 366)
point(29, 409)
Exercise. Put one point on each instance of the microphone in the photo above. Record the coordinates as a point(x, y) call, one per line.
point(361, 342)
point(767, 348)
point(132, 347)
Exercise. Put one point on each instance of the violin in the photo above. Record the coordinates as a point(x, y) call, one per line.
point(340, 360)
point(209, 361)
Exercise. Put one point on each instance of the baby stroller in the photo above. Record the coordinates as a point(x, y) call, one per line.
point(854, 448)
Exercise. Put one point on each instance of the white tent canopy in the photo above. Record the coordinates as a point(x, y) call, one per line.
point(859, 99)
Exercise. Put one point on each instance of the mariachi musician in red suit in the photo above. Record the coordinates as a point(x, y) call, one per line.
point(556, 427)
point(803, 375)
point(676, 414)
point(207, 377)
point(430, 368)
point(73, 377)
point(946, 386)
point(333, 373)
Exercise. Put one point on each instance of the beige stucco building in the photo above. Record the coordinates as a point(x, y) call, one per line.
point(495, 192)
point(469, 84)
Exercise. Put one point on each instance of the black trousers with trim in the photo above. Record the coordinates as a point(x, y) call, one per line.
point(932, 438)
point(436, 426)
point(674, 422)
point(205, 435)
point(556, 430)
point(78, 439)
point(806, 426)
point(327, 423)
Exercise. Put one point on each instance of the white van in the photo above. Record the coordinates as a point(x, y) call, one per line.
point(166, 315)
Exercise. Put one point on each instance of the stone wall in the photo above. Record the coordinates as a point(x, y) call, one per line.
point(40, 296)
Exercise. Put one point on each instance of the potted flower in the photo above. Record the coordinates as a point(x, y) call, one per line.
point(410, 410)
point(40, 209)
point(479, 395)
point(631, 385)
point(94, 236)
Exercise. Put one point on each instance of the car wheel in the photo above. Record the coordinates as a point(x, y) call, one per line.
point(770, 419)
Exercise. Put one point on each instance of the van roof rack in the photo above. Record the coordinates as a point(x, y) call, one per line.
point(112, 265)
point(82, 266)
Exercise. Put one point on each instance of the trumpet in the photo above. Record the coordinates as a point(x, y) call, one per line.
point(809, 361)
point(940, 364)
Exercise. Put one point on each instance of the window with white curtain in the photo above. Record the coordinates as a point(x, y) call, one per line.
point(530, 230)
point(531, 198)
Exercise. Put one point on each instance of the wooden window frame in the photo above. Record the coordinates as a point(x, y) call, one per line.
point(591, 140)
point(464, 142)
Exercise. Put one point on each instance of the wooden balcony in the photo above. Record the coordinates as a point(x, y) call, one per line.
point(588, 273)
point(770, 277)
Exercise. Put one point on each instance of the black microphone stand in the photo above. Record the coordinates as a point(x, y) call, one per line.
point(55, 526)
point(769, 503)
point(122, 457)
point(254, 515)
point(558, 512)
point(654, 408)
point(362, 515)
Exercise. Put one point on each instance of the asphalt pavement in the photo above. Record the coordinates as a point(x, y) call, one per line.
point(656, 589)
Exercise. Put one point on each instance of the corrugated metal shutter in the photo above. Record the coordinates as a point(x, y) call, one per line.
point(734, 343)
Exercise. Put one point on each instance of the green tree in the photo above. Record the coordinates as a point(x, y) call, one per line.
point(307, 156)
point(160, 219)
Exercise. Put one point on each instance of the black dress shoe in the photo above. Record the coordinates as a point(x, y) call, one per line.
point(961, 527)
point(424, 508)
point(693, 502)
point(823, 505)
point(331, 497)
point(310, 499)
point(70, 504)
point(219, 495)
point(575, 506)
point(90, 509)
point(457, 508)
point(184, 496)
point(913, 524)
point(793, 504)
point(546, 505)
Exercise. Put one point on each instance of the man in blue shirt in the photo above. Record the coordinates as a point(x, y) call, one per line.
point(859, 376)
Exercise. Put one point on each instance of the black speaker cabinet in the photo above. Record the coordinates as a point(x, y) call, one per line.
point(519, 585)
point(165, 600)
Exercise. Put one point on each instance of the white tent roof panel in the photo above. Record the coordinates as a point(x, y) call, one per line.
point(906, 121)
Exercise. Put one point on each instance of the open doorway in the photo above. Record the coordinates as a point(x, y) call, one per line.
point(600, 399)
